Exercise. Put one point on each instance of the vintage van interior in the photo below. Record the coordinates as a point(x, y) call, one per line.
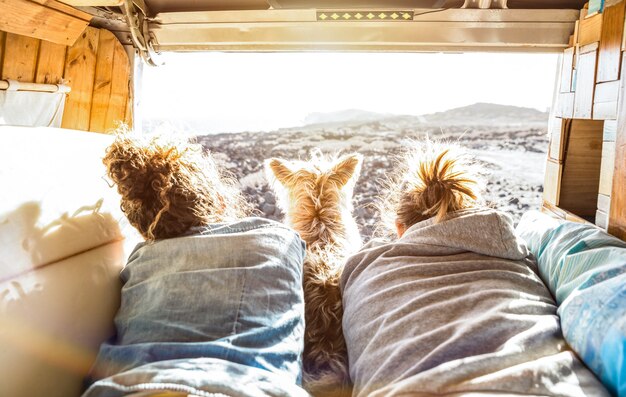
point(73, 68)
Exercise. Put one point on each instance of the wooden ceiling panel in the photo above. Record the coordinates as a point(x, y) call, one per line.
point(157, 6)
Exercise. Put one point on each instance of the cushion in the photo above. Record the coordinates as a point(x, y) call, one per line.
point(64, 242)
point(585, 269)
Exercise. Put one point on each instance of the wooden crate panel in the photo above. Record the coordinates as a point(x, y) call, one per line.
point(49, 21)
point(610, 130)
point(565, 105)
point(552, 183)
point(605, 111)
point(585, 85)
point(580, 177)
point(558, 137)
point(609, 53)
point(602, 219)
point(567, 68)
point(606, 169)
point(590, 30)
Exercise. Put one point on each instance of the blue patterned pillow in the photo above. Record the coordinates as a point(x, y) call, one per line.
point(585, 269)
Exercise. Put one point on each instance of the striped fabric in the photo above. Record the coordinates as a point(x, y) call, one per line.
point(585, 270)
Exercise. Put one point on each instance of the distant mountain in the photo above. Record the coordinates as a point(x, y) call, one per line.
point(487, 114)
point(476, 114)
point(345, 116)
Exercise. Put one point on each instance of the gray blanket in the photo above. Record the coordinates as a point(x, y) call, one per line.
point(456, 308)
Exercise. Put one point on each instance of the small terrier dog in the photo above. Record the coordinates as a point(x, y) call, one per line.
point(316, 197)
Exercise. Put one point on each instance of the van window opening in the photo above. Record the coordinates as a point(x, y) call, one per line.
point(246, 107)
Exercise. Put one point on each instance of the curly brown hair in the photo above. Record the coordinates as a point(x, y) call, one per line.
point(169, 185)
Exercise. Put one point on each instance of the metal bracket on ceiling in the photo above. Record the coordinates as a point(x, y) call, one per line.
point(136, 13)
point(485, 4)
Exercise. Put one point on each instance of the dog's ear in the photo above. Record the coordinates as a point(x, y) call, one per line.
point(277, 170)
point(347, 169)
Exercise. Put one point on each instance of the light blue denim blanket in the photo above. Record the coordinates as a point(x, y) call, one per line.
point(229, 293)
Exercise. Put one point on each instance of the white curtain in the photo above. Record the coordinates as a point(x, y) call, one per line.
point(32, 109)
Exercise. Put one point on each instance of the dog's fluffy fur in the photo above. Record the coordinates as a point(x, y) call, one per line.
point(316, 197)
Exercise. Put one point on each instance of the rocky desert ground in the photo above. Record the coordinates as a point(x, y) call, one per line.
point(509, 142)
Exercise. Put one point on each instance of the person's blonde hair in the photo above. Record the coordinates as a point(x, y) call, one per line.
point(433, 180)
point(169, 185)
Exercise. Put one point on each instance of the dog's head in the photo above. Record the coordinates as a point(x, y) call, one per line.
point(316, 195)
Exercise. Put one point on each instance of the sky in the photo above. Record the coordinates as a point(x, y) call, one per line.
point(230, 92)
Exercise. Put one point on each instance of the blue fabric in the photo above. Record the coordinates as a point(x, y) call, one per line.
point(585, 269)
point(231, 292)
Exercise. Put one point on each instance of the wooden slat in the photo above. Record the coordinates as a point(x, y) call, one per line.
point(102, 83)
point(585, 84)
point(80, 68)
point(118, 101)
point(558, 137)
point(610, 128)
point(617, 216)
point(606, 169)
point(604, 203)
point(567, 68)
point(35, 20)
point(51, 63)
point(20, 58)
point(565, 105)
point(590, 30)
point(605, 111)
point(552, 182)
point(66, 9)
point(3, 36)
point(111, 84)
point(610, 52)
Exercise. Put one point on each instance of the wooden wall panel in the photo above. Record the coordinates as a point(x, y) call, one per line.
point(617, 216)
point(111, 88)
point(609, 55)
point(97, 69)
point(80, 70)
point(20, 58)
point(50, 63)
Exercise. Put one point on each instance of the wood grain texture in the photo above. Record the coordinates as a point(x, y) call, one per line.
point(111, 88)
point(617, 215)
point(552, 182)
point(610, 51)
point(51, 63)
point(3, 36)
point(606, 169)
point(35, 20)
point(581, 168)
point(590, 30)
point(558, 136)
point(93, 3)
point(80, 69)
point(585, 85)
point(20, 58)
point(567, 68)
point(565, 105)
